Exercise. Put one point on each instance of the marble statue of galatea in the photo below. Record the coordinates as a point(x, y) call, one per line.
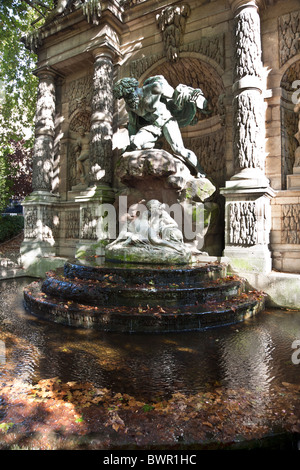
point(154, 229)
point(158, 109)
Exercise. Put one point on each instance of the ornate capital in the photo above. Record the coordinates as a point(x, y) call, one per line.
point(238, 4)
point(105, 51)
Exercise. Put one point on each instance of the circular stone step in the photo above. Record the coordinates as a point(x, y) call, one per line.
point(135, 298)
point(111, 293)
point(143, 274)
point(142, 320)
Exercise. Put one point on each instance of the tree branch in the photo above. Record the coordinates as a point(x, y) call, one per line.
point(35, 4)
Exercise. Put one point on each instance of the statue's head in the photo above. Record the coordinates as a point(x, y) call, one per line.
point(126, 88)
point(153, 205)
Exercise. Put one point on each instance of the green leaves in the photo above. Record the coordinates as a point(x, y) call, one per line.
point(5, 427)
point(18, 85)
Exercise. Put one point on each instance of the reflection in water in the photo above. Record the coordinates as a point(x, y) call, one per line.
point(252, 355)
point(249, 351)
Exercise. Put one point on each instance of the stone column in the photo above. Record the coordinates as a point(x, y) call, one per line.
point(41, 215)
point(93, 235)
point(44, 132)
point(247, 193)
point(101, 119)
point(248, 101)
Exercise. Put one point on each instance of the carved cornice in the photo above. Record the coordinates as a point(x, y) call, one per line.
point(47, 72)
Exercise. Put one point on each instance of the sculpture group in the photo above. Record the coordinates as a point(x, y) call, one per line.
point(157, 110)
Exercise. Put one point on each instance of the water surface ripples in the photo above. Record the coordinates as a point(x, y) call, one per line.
point(254, 354)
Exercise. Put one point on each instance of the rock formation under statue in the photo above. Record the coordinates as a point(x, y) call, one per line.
point(157, 174)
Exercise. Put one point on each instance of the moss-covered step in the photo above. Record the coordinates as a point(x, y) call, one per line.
point(140, 319)
point(114, 293)
point(125, 273)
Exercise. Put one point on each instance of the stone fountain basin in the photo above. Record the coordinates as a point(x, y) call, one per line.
point(142, 298)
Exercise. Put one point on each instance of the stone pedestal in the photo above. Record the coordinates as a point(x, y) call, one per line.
point(156, 174)
point(247, 193)
point(96, 220)
point(42, 226)
point(247, 228)
point(161, 210)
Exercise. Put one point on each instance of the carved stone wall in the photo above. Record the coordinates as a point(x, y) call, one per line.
point(88, 224)
point(42, 223)
point(30, 223)
point(79, 94)
point(291, 224)
point(210, 150)
point(72, 224)
point(289, 121)
point(171, 22)
point(243, 223)
point(213, 47)
point(289, 36)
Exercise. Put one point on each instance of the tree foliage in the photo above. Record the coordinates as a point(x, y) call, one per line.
point(5, 184)
point(18, 84)
point(21, 170)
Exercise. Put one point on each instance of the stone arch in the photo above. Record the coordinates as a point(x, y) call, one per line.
point(288, 118)
point(192, 72)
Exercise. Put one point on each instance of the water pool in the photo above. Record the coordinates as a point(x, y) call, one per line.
point(254, 356)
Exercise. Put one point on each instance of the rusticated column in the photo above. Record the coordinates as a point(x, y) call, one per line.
point(93, 200)
point(248, 101)
point(44, 132)
point(101, 119)
point(247, 193)
point(42, 221)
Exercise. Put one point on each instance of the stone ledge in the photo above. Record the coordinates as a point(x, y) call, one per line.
point(282, 289)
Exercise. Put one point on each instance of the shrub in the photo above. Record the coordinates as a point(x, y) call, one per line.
point(10, 226)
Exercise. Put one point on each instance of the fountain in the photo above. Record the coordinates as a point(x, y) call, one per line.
point(153, 277)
